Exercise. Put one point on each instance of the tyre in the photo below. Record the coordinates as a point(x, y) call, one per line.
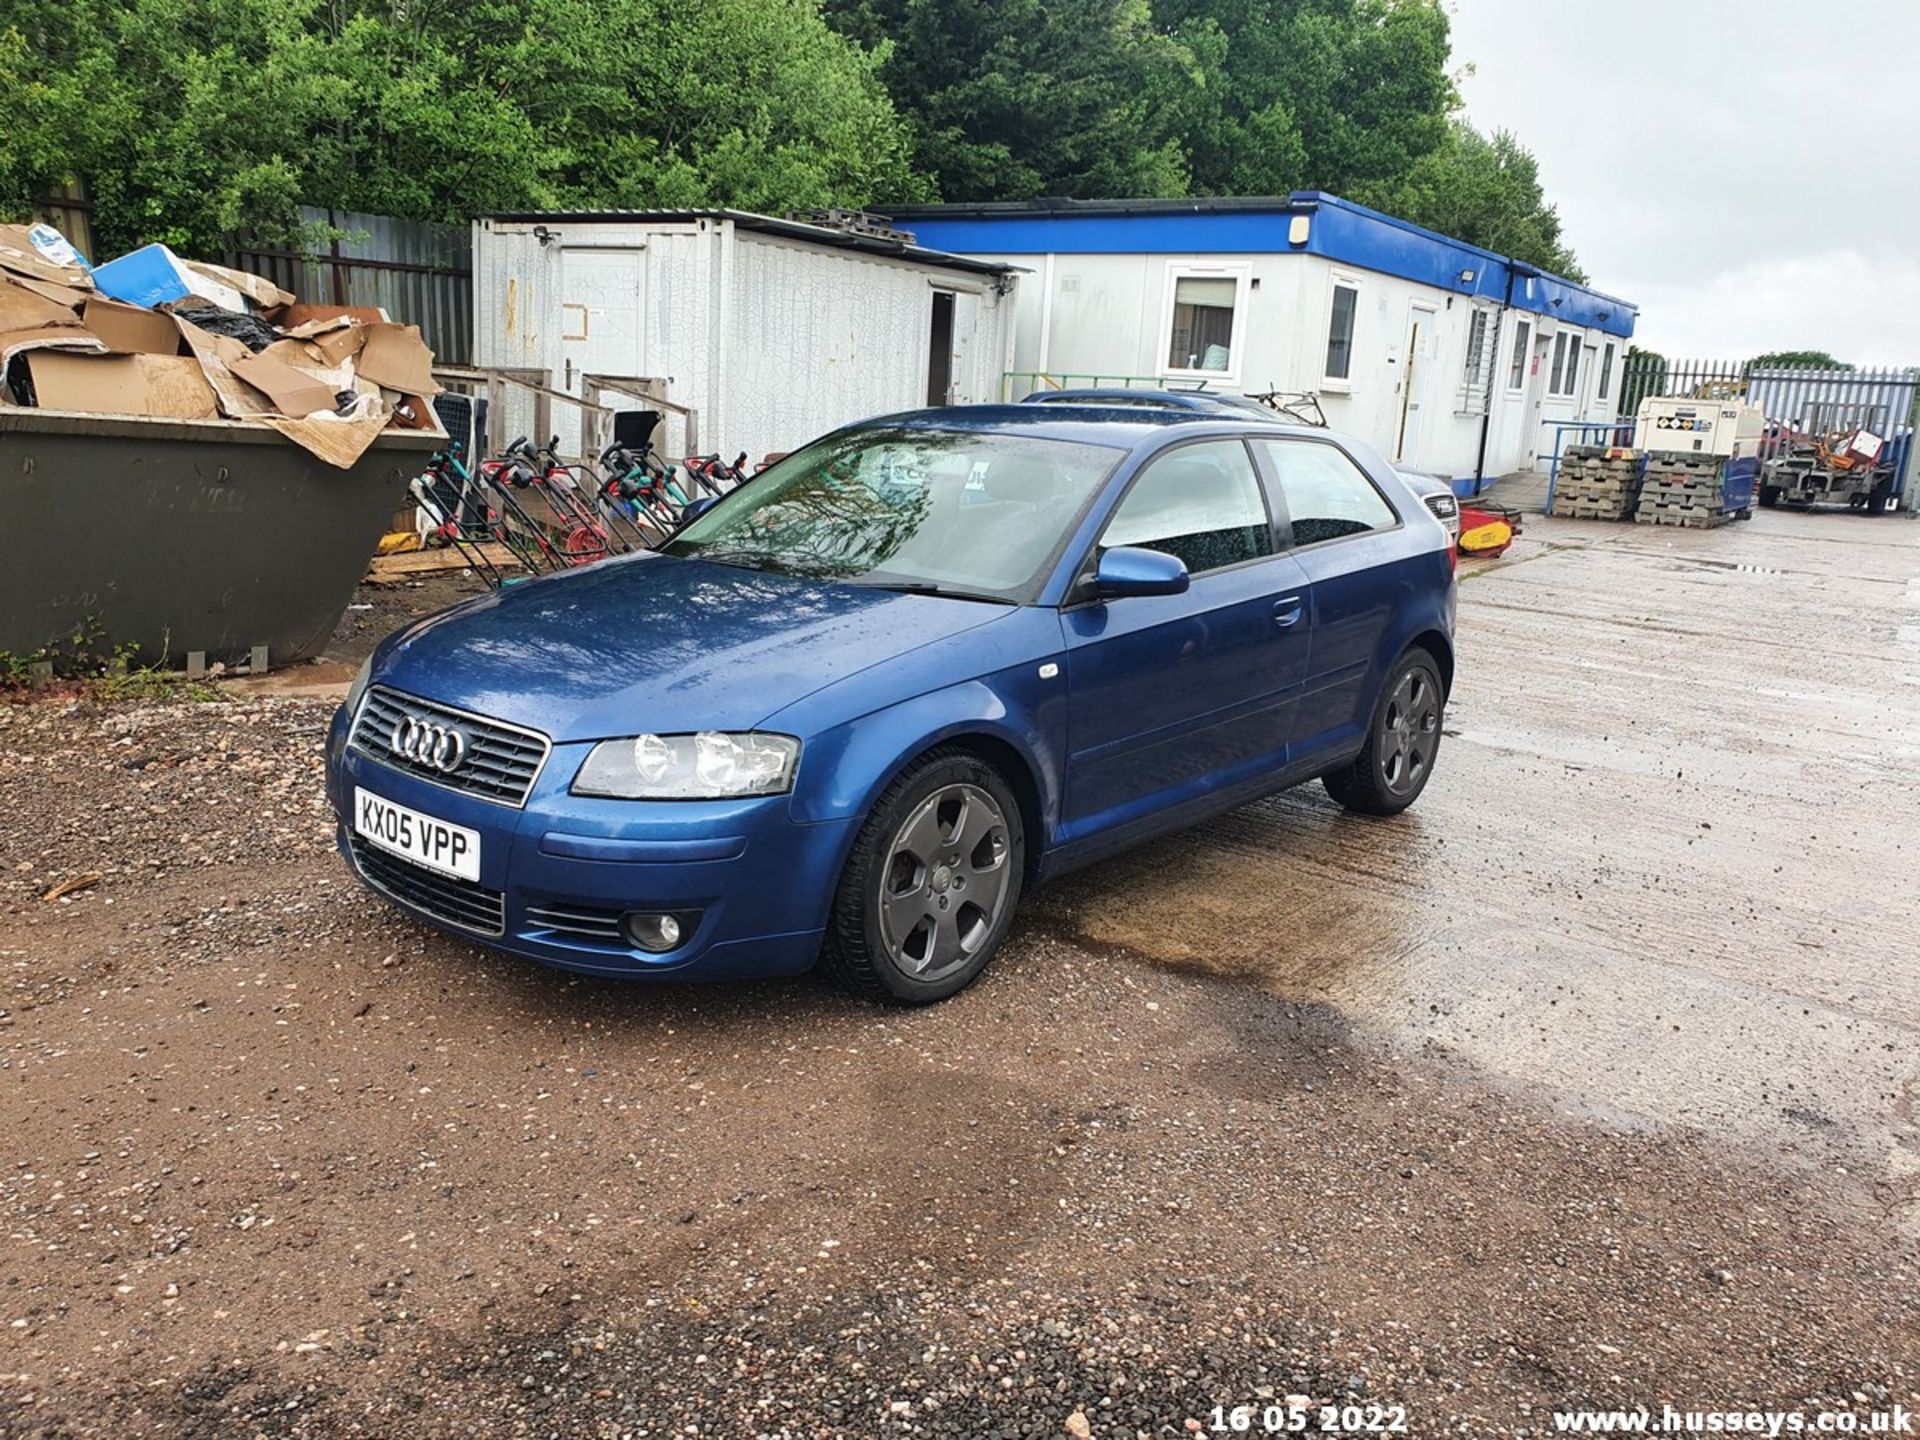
point(930, 887)
point(1879, 502)
point(1403, 739)
point(1769, 496)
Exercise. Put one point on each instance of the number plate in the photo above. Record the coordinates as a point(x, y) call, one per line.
point(450, 849)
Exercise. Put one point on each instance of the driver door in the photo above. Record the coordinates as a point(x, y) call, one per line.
point(1172, 697)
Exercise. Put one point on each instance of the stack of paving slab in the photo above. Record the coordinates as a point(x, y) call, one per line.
point(1597, 482)
point(1685, 490)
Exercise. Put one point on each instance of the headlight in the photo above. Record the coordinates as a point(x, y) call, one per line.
point(359, 685)
point(707, 766)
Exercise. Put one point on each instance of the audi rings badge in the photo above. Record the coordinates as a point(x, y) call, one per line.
point(436, 747)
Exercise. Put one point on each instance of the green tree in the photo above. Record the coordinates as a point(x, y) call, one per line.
point(1338, 95)
point(1797, 360)
point(1642, 373)
point(1208, 97)
point(193, 119)
point(1486, 190)
point(1011, 99)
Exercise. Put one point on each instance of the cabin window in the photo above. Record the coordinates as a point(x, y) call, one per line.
point(1566, 364)
point(1477, 372)
point(1522, 347)
point(1205, 321)
point(1346, 304)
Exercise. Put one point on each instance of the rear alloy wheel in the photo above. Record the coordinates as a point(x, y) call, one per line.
point(1402, 742)
point(930, 888)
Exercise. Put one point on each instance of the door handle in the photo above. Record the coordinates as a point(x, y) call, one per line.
point(1287, 611)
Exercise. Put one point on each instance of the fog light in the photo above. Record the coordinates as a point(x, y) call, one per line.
point(656, 933)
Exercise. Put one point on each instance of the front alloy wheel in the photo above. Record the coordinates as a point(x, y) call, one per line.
point(931, 885)
point(945, 881)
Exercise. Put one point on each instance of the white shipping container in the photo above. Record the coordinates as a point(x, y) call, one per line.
point(772, 331)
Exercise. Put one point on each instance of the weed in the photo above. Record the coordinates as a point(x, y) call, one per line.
point(87, 668)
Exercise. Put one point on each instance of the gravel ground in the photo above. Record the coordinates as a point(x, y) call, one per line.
point(282, 1163)
point(377, 610)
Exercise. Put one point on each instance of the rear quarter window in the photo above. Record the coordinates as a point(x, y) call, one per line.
point(1328, 496)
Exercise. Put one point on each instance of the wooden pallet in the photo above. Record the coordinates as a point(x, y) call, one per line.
point(1700, 519)
point(1583, 510)
point(411, 564)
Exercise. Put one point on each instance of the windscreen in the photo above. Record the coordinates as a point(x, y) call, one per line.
point(959, 512)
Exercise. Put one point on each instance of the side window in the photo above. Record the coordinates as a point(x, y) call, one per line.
point(1522, 346)
point(1204, 318)
point(1566, 364)
point(1346, 300)
point(1328, 496)
point(1200, 503)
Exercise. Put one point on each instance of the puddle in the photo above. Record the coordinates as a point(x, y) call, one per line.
point(1652, 876)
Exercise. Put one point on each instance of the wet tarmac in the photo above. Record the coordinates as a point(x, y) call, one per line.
point(1666, 870)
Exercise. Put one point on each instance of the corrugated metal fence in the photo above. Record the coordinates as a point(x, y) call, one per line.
point(420, 273)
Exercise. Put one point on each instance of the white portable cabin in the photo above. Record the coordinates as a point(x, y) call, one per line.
point(771, 331)
point(1420, 344)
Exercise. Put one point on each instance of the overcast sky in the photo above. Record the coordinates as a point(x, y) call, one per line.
point(1747, 174)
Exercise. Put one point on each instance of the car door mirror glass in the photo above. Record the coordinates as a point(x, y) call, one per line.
point(1133, 570)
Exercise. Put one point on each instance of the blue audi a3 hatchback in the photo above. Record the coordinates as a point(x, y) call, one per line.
point(856, 708)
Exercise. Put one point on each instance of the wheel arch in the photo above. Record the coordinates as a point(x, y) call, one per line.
point(862, 759)
point(1436, 644)
point(1013, 767)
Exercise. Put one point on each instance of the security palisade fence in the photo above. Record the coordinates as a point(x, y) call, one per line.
point(1797, 401)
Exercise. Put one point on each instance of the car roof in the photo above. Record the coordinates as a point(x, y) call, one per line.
point(1129, 427)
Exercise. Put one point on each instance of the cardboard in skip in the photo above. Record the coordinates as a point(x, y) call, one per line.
point(31, 321)
point(257, 288)
point(116, 341)
point(337, 346)
point(293, 392)
point(20, 254)
point(129, 330)
point(164, 385)
point(299, 315)
point(216, 353)
point(71, 296)
point(396, 358)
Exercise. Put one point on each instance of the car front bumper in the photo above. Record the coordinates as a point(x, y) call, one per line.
point(751, 885)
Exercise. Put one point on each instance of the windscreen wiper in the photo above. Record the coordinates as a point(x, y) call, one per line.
point(926, 587)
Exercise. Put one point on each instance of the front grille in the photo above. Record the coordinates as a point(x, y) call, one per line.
point(582, 921)
point(501, 761)
point(454, 902)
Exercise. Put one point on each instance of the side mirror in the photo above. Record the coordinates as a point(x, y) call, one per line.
point(694, 509)
point(1131, 570)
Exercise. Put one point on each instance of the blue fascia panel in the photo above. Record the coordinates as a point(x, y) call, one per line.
point(1234, 232)
point(1341, 232)
point(1546, 294)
